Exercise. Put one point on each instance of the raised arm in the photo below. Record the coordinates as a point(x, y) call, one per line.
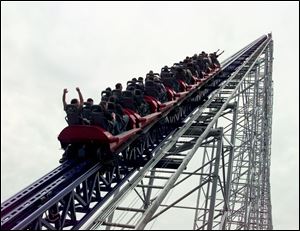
point(64, 98)
point(220, 53)
point(80, 97)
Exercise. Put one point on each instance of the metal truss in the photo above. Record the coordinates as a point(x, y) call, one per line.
point(246, 147)
point(230, 135)
point(219, 137)
point(249, 194)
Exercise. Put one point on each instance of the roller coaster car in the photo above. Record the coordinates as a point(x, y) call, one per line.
point(83, 140)
point(95, 137)
point(78, 140)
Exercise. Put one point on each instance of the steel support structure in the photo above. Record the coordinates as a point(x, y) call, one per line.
point(213, 150)
point(231, 137)
point(246, 153)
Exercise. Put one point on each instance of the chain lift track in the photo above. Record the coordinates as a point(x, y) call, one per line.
point(228, 118)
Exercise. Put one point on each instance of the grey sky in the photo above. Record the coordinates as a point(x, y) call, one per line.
point(46, 47)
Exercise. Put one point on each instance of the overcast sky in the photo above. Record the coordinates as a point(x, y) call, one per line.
point(46, 47)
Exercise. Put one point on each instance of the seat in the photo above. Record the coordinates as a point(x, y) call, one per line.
point(73, 115)
point(130, 88)
point(117, 94)
point(171, 83)
point(127, 100)
point(86, 113)
point(98, 118)
point(162, 91)
point(105, 95)
point(142, 107)
point(151, 89)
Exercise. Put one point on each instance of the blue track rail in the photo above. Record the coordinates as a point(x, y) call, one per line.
point(67, 196)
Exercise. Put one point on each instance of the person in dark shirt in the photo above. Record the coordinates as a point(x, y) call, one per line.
point(214, 58)
point(72, 115)
point(110, 116)
point(78, 103)
point(122, 119)
point(90, 101)
point(119, 86)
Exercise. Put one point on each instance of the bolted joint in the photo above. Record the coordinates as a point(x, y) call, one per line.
point(215, 132)
point(232, 105)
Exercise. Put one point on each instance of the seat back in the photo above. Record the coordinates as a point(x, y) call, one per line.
point(142, 107)
point(127, 100)
point(111, 107)
point(162, 91)
point(96, 108)
point(105, 95)
point(139, 96)
point(99, 119)
point(86, 112)
point(130, 83)
point(117, 94)
point(73, 115)
point(173, 83)
point(140, 85)
point(130, 88)
point(151, 89)
point(166, 73)
point(112, 99)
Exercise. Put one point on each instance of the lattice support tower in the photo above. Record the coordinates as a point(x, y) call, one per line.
point(207, 166)
point(231, 137)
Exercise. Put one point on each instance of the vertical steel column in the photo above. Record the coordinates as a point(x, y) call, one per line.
point(250, 206)
point(215, 177)
point(266, 208)
point(149, 190)
point(230, 165)
point(250, 173)
point(202, 179)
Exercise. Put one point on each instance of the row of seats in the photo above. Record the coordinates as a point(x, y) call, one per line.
point(132, 99)
point(89, 115)
point(175, 78)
